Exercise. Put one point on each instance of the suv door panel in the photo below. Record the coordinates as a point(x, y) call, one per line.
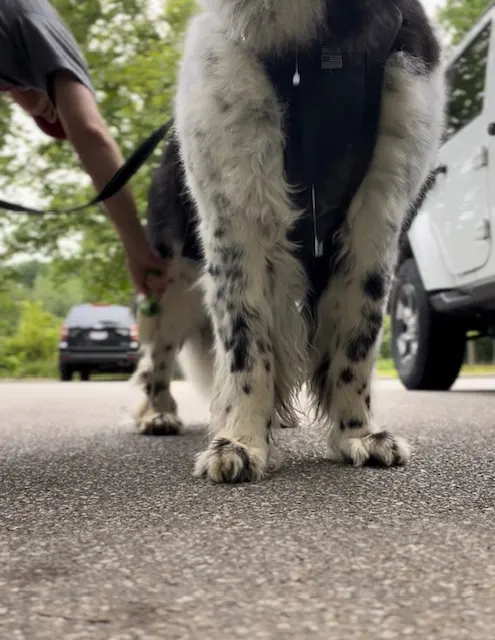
point(458, 204)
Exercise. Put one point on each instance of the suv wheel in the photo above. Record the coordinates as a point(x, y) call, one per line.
point(85, 374)
point(66, 373)
point(427, 347)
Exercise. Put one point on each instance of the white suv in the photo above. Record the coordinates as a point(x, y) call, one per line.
point(444, 285)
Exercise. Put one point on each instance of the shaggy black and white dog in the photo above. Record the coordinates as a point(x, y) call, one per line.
point(304, 130)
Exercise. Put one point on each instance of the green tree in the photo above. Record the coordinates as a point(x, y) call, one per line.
point(57, 291)
point(33, 346)
point(25, 273)
point(132, 54)
point(11, 293)
point(458, 16)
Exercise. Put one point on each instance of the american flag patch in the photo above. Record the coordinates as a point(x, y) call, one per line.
point(331, 58)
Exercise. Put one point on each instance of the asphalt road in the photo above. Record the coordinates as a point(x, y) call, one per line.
point(105, 534)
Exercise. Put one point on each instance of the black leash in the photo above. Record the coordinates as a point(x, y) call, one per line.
point(115, 184)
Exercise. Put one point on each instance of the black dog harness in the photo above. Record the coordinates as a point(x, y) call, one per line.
point(331, 99)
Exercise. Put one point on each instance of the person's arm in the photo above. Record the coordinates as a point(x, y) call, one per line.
point(35, 103)
point(101, 158)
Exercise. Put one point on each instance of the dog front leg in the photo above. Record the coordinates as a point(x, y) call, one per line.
point(229, 125)
point(351, 309)
point(239, 303)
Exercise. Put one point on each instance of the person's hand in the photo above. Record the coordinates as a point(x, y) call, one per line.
point(144, 266)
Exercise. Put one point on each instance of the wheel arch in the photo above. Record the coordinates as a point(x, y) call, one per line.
point(420, 243)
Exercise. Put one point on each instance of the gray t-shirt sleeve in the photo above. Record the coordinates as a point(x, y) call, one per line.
point(40, 45)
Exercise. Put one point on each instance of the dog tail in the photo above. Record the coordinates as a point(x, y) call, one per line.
point(170, 212)
point(197, 359)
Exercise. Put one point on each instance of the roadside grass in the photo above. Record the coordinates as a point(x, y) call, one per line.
point(48, 370)
point(385, 369)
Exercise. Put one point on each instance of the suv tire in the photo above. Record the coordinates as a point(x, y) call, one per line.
point(427, 347)
point(66, 373)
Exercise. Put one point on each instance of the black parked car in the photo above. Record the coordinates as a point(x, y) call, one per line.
point(98, 338)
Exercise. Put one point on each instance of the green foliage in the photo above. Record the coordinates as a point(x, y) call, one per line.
point(386, 346)
point(10, 295)
point(458, 16)
point(57, 292)
point(484, 350)
point(34, 341)
point(132, 56)
point(34, 299)
point(26, 272)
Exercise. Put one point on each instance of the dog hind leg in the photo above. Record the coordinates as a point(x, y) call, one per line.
point(181, 316)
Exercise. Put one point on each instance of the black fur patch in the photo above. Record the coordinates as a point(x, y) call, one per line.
point(360, 346)
point(321, 380)
point(234, 274)
point(214, 270)
point(230, 256)
point(240, 345)
point(381, 436)
point(156, 388)
point(160, 386)
point(219, 232)
point(212, 58)
point(353, 423)
point(347, 375)
point(164, 250)
point(374, 286)
point(246, 388)
point(246, 472)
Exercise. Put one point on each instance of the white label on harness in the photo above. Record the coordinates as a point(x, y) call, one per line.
point(331, 58)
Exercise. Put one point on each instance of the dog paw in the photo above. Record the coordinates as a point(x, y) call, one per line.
point(380, 449)
point(160, 424)
point(274, 459)
point(229, 461)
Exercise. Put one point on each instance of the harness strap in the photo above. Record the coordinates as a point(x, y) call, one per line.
point(132, 165)
point(331, 105)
